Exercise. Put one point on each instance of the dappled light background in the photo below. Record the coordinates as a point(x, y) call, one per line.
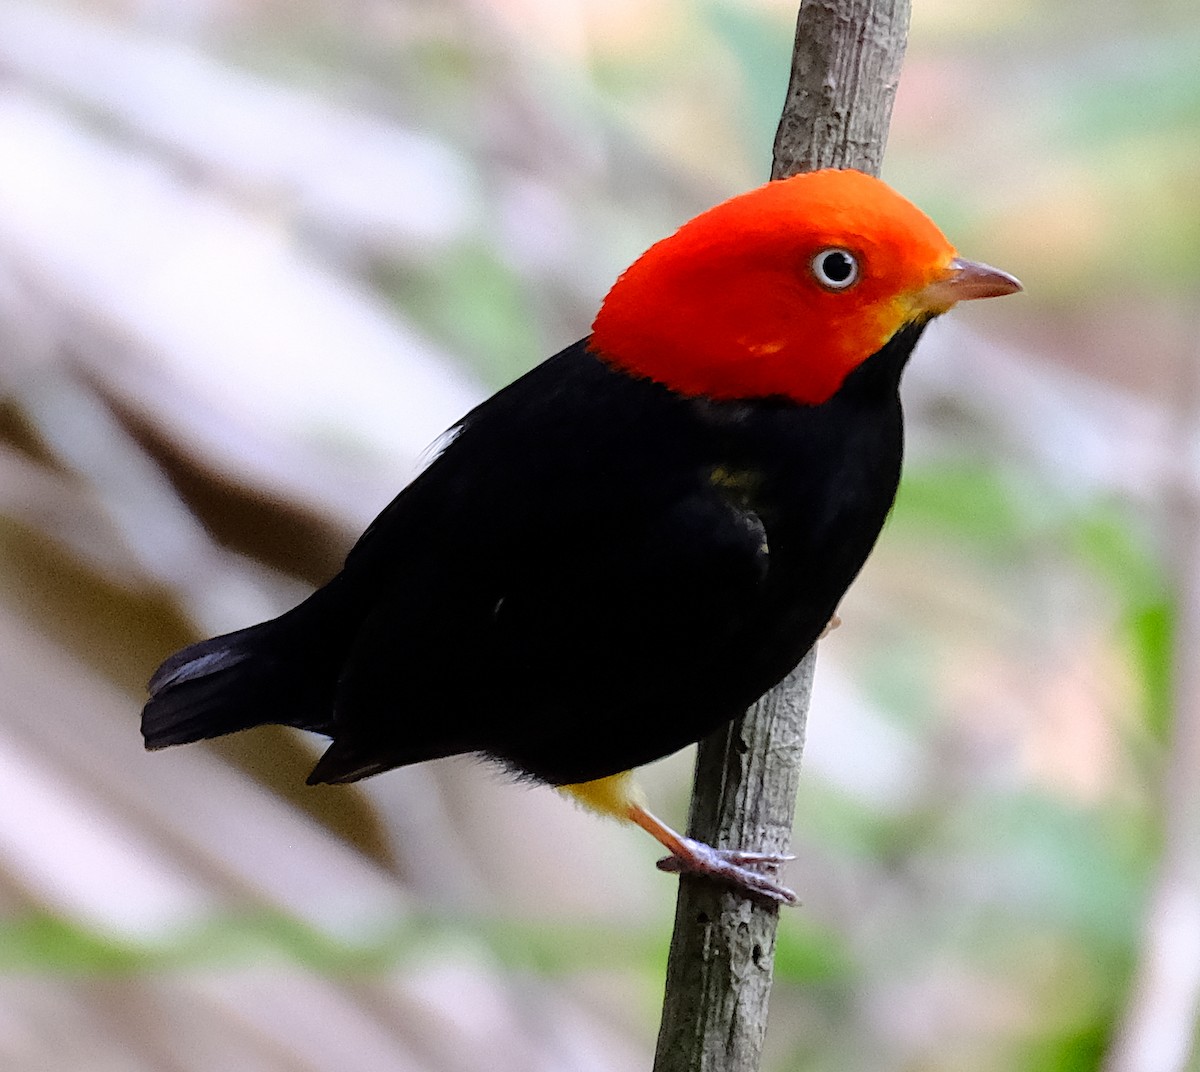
point(256, 256)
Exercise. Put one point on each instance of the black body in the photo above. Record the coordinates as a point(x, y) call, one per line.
point(594, 573)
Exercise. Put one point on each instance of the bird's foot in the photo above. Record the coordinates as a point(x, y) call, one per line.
point(733, 867)
point(830, 626)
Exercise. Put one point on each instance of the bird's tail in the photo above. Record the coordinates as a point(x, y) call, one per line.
point(268, 673)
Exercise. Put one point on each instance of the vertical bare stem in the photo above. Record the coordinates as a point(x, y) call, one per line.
point(845, 67)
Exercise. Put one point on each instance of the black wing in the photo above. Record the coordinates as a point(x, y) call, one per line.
point(557, 589)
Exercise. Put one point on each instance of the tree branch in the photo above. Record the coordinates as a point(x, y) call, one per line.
point(845, 67)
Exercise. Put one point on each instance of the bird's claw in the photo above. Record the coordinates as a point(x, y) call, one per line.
point(830, 626)
point(730, 856)
point(734, 867)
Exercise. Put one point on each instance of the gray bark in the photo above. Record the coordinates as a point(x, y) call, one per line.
point(845, 68)
point(723, 948)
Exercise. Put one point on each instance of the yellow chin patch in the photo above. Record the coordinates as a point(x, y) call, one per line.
point(928, 303)
point(911, 308)
point(615, 795)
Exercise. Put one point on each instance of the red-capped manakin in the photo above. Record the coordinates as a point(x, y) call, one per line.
point(631, 543)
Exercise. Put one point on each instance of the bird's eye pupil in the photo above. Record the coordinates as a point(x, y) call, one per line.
point(835, 269)
point(837, 266)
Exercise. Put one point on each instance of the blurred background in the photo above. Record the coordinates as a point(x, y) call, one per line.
point(256, 255)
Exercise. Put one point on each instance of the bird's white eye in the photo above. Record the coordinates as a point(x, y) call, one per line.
point(835, 269)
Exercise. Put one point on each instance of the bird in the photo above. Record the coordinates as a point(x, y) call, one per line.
point(623, 549)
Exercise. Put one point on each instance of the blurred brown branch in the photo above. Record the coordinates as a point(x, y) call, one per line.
point(1157, 1030)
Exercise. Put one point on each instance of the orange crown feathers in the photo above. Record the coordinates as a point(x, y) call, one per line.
point(780, 291)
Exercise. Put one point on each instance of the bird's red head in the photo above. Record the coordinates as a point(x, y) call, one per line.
point(784, 290)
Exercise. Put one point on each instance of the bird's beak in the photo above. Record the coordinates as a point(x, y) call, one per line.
point(964, 281)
